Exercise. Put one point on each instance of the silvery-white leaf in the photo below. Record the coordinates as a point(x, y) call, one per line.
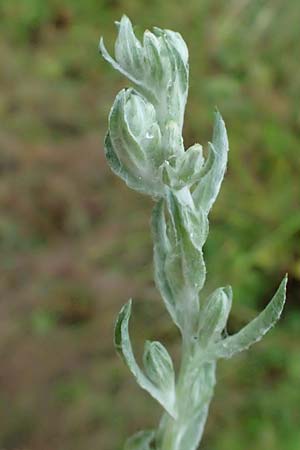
point(179, 44)
point(172, 141)
point(189, 165)
point(122, 70)
point(195, 223)
point(135, 140)
point(184, 169)
point(214, 314)
point(178, 55)
point(176, 279)
point(152, 51)
point(177, 88)
point(128, 56)
point(208, 188)
point(159, 367)
point(161, 249)
point(128, 49)
point(173, 91)
point(119, 169)
point(191, 229)
point(123, 346)
point(184, 264)
point(158, 68)
point(255, 330)
point(140, 117)
point(141, 441)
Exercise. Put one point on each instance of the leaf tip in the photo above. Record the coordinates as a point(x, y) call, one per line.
point(123, 315)
point(101, 45)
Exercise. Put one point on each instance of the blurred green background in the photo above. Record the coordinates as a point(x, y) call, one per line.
point(75, 242)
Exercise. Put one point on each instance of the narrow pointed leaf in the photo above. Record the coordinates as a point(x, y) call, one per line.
point(128, 49)
point(208, 188)
point(256, 329)
point(117, 66)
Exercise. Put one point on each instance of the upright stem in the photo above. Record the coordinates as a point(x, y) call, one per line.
point(194, 392)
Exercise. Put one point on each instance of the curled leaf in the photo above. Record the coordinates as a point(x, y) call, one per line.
point(123, 347)
point(134, 142)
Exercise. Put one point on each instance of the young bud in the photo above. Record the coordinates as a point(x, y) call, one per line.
point(158, 365)
point(214, 315)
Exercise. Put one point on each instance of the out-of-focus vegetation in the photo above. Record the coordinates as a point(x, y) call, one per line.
point(75, 242)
